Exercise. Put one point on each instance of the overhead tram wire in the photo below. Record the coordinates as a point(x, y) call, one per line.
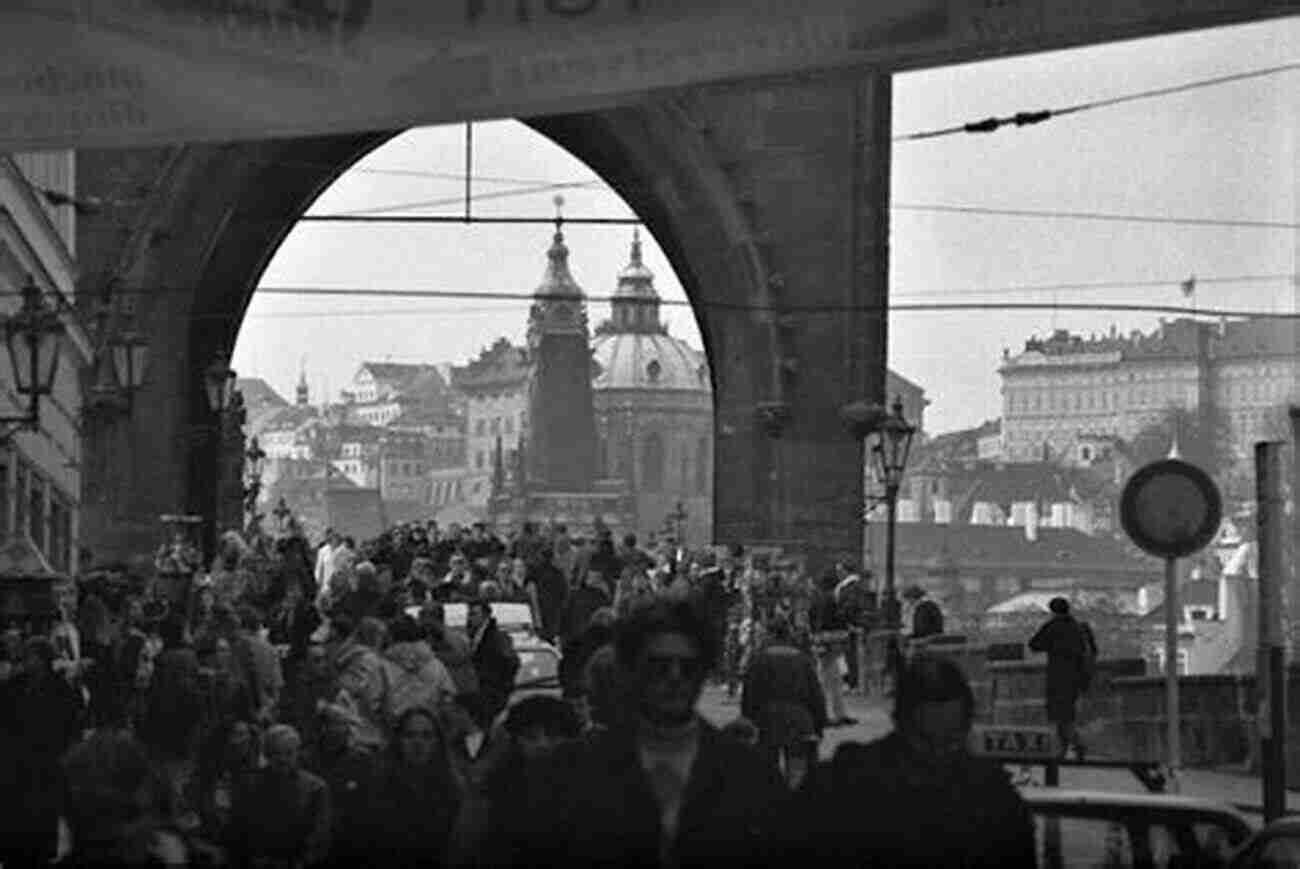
point(815, 309)
point(166, 289)
point(1029, 118)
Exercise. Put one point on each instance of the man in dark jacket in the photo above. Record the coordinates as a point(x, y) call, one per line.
point(1063, 639)
point(662, 787)
point(495, 662)
point(917, 797)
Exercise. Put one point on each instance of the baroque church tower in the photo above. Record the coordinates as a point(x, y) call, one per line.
point(561, 446)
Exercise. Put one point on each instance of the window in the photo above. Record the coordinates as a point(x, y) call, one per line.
point(480, 427)
point(510, 425)
point(478, 461)
point(652, 463)
point(1087, 841)
point(37, 516)
point(496, 425)
point(21, 481)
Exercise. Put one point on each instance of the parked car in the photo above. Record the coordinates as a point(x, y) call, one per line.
point(539, 661)
point(1275, 846)
point(1114, 829)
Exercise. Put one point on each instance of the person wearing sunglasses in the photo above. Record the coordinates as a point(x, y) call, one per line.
point(659, 786)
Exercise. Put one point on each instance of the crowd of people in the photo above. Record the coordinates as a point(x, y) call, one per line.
point(297, 705)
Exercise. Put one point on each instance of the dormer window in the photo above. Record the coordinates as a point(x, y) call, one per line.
point(654, 370)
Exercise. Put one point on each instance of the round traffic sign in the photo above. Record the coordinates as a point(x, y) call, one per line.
point(1170, 508)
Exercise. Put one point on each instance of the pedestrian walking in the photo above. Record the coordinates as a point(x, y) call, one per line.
point(830, 637)
point(1071, 653)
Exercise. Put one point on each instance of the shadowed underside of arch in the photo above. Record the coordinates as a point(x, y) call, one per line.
point(746, 233)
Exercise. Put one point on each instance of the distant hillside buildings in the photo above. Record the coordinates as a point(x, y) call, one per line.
point(1064, 395)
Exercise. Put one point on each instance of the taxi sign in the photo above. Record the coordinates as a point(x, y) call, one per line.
point(1019, 743)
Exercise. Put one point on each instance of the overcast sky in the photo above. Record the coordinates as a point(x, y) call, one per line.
point(1229, 152)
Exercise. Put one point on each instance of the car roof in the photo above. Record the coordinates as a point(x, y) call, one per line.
point(1284, 825)
point(1065, 797)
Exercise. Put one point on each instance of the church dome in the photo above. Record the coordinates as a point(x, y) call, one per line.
point(649, 361)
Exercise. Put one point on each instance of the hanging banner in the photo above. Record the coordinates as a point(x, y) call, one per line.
point(89, 73)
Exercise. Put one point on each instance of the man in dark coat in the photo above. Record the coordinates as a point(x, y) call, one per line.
point(1062, 638)
point(917, 797)
point(495, 662)
point(662, 787)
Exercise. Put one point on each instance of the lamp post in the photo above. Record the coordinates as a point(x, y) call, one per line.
point(130, 352)
point(893, 443)
point(32, 337)
point(219, 382)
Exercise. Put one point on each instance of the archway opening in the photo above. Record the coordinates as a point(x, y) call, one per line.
point(364, 352)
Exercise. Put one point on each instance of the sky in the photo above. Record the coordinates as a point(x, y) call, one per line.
point(1229, 152)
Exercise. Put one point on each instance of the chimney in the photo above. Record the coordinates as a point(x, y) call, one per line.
point(1031, 522)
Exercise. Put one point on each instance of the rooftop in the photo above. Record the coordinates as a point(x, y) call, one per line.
point(1056, 552)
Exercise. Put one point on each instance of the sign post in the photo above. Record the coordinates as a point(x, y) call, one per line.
point(1171, 509)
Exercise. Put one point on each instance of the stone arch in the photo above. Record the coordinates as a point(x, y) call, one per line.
point(743, 186)
point(201, 222)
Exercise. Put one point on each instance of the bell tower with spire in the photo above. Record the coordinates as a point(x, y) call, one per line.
point(636, 303)
point(561, 447)
point(301, 393)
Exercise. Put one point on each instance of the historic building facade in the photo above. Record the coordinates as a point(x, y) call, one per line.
point(494, 390)
point(1063, 394)
point(654, 411)
point(40, 469)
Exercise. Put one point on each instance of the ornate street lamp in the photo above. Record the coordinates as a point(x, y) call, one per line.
point(130, 353)
point(32, 337)
point(891, 437)
point(893, 443)
point(219, 380)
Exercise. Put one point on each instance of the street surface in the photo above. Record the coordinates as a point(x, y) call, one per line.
point(1221, 785)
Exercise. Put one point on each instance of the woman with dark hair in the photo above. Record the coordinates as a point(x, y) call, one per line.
point(174, 708)
point(783, 696)
point(532, 728)
point(417, 796)
point(229, 753)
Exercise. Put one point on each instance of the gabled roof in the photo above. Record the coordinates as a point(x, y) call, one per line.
point(404, 377)
point(259, 394)
point(288, 418)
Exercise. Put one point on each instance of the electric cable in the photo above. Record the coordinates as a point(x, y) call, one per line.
point(1037, 116)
